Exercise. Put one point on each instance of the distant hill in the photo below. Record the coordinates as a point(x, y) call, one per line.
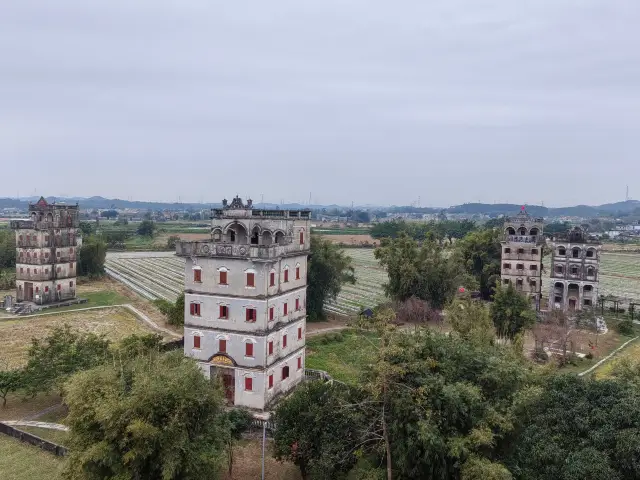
point(492, 209)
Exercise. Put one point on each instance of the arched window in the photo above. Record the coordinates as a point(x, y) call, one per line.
point(280, 238)
point(591, 253)
point(266, 238)
point(588, 288)
point(522, 231)
point(255, 235)
point(559, 269)
point(285, 274)
point(301, 237)
point(217, 235)
point(562, 251)
point(511, 231)
point(591, 272)
point(534, 231)
point(297, 271)
point(575, 252)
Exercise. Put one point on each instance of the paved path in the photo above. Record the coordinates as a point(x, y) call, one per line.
point(33, 423)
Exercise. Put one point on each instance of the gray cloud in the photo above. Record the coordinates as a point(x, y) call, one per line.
point(370, 101)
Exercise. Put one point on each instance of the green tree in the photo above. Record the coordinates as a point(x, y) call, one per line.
point(172, 242)
point(7, 249)
point(471, 320)
point(109, 214)
point(173, 311)
point(511, 312)
point(480, 254)
point(138, 345)
point(62, 353)
point(93, 254)
point(239, 422)
point(328, 269)
point(86, 228)
point(155, 417)
point(579, 428)
point(10, 382)
point(421, 271)
point(146, 228)
point(317, 430)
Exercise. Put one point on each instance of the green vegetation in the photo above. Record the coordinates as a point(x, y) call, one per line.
point(59, 437)
point(19, 461)
point(92, 257)
point(328, 269)
point(511, 312)
point(173, 311)
point(146, 228)
point(154, 417)
point(439, 231)
point(343, 355)
point(341, 231)
point(480, 253)
point(421, 271)
point(7, 249)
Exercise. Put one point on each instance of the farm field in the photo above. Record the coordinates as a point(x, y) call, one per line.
point(16, 335)
point(161, 275)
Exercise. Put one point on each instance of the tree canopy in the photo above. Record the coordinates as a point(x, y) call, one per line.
point(153, 417)
point(7, 249)
point(422, 271)
point(93, 254)
point(511, 311)
point(146, 228)
point(328, 269)
point(480, 253)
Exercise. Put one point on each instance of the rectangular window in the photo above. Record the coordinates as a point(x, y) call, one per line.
point(196, 341)
point(558, 299)
point(286, 275)
point(46, 270)
point(223, 278)
point(297, 304)
point(285, 372)
point(58, 269)
point(37, 289)
point(271, 381)
point(71, 284)
point(46, 239)
point(195, 309)
point(587, 302)
point(224, 311)
point(284, 341)
point(58, 253)
point(534, 251)
point(71, 266)
point(46, 255)
point(507, 250)
point(35, 270)
point(506, 265)
point(248, 349)
point(533, 267)
point(272, 279)
point(297, 273)
point(285, 309)
point(270, 347)
point(299, 363)
point(197, 275)
point(299, 333)
point(520, 251)
point(46, 289)
point(28, 271)
point(248, 384)
point(271, 310)
point(21, 270)
point(251, 315)
point(520, 266)
point(222, 346)
point(301, 238)
point(250, 280)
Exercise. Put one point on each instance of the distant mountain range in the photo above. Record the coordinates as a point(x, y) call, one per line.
point(492, 209)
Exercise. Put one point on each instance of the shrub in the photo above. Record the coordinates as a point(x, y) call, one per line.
point(589, 356)
point(541, 356)
point(625, 327)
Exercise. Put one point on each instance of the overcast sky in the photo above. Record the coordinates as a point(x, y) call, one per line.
point(376, 102)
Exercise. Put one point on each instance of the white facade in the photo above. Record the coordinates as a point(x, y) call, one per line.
point(245, 301)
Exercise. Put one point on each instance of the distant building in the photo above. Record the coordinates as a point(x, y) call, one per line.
point(46, 253)
point(245, 301)
point(575, 270)
point(522, 247)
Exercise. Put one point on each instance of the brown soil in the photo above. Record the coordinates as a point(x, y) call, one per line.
point(247, 463)
point(351, 239)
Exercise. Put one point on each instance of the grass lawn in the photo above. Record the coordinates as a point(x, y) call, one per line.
point(630, 351)
point(56, 436)
point(20, 461)
point(16, 335)
point(342, 355)
point(21, 408)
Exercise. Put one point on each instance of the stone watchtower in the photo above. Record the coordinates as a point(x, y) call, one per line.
point(46, 253)
point(575, 271)
point(522, 246)
point(245, 301)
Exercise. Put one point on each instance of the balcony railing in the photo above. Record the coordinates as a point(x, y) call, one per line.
point(523, 238)
point(212, 249)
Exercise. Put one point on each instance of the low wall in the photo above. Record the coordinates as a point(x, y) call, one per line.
point(31, 439)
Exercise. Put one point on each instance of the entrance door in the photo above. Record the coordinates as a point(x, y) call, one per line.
point(28, 291)
point(228, 377)
point(572, 304)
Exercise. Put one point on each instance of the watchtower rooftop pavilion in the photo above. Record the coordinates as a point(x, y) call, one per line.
point(245, 300)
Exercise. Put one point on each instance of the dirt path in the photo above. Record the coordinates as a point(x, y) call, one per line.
point(33, 423)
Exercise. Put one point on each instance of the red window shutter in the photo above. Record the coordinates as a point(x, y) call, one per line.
point(270, 381)
point(192, 308)
point(271, 348)
point(286, 309)
point(37, 289)
point(299, 363)
point(297, 304)
point(248, 351)
point(196, 341)
point(297, 273)
point(301, 238)
point(284, 341)
point(197, 305)
point(272, 279)
point(299, 333)
point(271, 314)
point(223, 346)
point(223, 278)
point(197, 275)
point(286, 275)
point(250, 280)
point(251, 315)
point(248, 383)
